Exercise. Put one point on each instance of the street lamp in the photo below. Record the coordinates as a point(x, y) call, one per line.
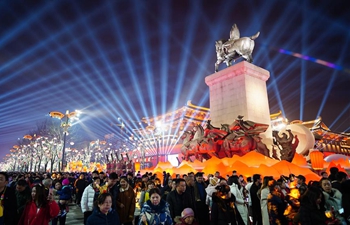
point(66, 122)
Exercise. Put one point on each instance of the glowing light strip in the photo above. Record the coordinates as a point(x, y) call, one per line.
point(303, 73)
point(331, 82)
point(24, 22)
point(319, 61)
point(102, 79)
point(164, 51)
point(31, 51)
point(189, 34)
point(148, 73)
point(345, 110)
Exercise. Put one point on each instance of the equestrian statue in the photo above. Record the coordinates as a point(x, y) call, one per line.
point(234, 48)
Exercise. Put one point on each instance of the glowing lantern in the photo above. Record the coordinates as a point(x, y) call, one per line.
point(28, 137)
point(316, 158)
point(137, 166)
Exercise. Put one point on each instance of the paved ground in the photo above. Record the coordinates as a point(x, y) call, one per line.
point(75, 216)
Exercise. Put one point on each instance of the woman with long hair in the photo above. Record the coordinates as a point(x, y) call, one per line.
point(276, 205)
point(333, 199)
point(103, 214)
point(126, 200)
point(41, 209)
point(241, 200)
point(223, 210)
point(312, 209)
point(263, 195)
point(155, 210)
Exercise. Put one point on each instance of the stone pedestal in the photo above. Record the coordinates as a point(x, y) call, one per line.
point(239, 90)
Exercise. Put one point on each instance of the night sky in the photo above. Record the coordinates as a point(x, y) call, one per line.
point(134, 59)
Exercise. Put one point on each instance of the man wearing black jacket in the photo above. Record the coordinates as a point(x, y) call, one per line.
point(256, 208)
point(113, 188)
point(178, 199)
point(8, 202)
point(202, 209)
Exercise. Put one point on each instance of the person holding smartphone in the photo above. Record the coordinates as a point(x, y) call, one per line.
point(41, 209)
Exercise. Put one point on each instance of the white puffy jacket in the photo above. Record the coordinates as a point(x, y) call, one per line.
point(87, 200)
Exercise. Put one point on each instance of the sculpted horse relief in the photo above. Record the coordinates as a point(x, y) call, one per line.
point(194, 144)
point(236, 139)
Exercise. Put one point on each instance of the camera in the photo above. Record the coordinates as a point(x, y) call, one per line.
point(223, 188)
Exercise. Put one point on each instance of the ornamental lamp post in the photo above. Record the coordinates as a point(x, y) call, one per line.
point(66, 123)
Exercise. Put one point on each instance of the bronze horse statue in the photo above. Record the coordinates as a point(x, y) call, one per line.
point(234, 48)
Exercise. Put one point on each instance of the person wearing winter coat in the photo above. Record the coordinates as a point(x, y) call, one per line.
point(263, 194)
point(276, 206)
point(40, 210)
point(223, 210)
point(200, 195)
point(23, 195)
point(178, 199)
point(312, 210)
point(126, 202)
point(241, 202)
point(79, 185)
point(145, 193)
point(8, 204)
point(187, 218)
point(155, 210)
point(210, 189)
point(90, 193)
point(333, 199)
point(103, 214)
point(65, 194)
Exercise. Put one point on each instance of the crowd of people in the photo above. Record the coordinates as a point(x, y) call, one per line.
point(187, 199)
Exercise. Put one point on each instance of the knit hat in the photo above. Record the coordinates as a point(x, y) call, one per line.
point(187, 212)
point(214, 181)
point(65, 182)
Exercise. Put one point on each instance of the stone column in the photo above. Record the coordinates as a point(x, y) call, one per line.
point(239, 90)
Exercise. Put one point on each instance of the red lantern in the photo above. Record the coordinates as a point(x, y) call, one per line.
point(316, 158)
